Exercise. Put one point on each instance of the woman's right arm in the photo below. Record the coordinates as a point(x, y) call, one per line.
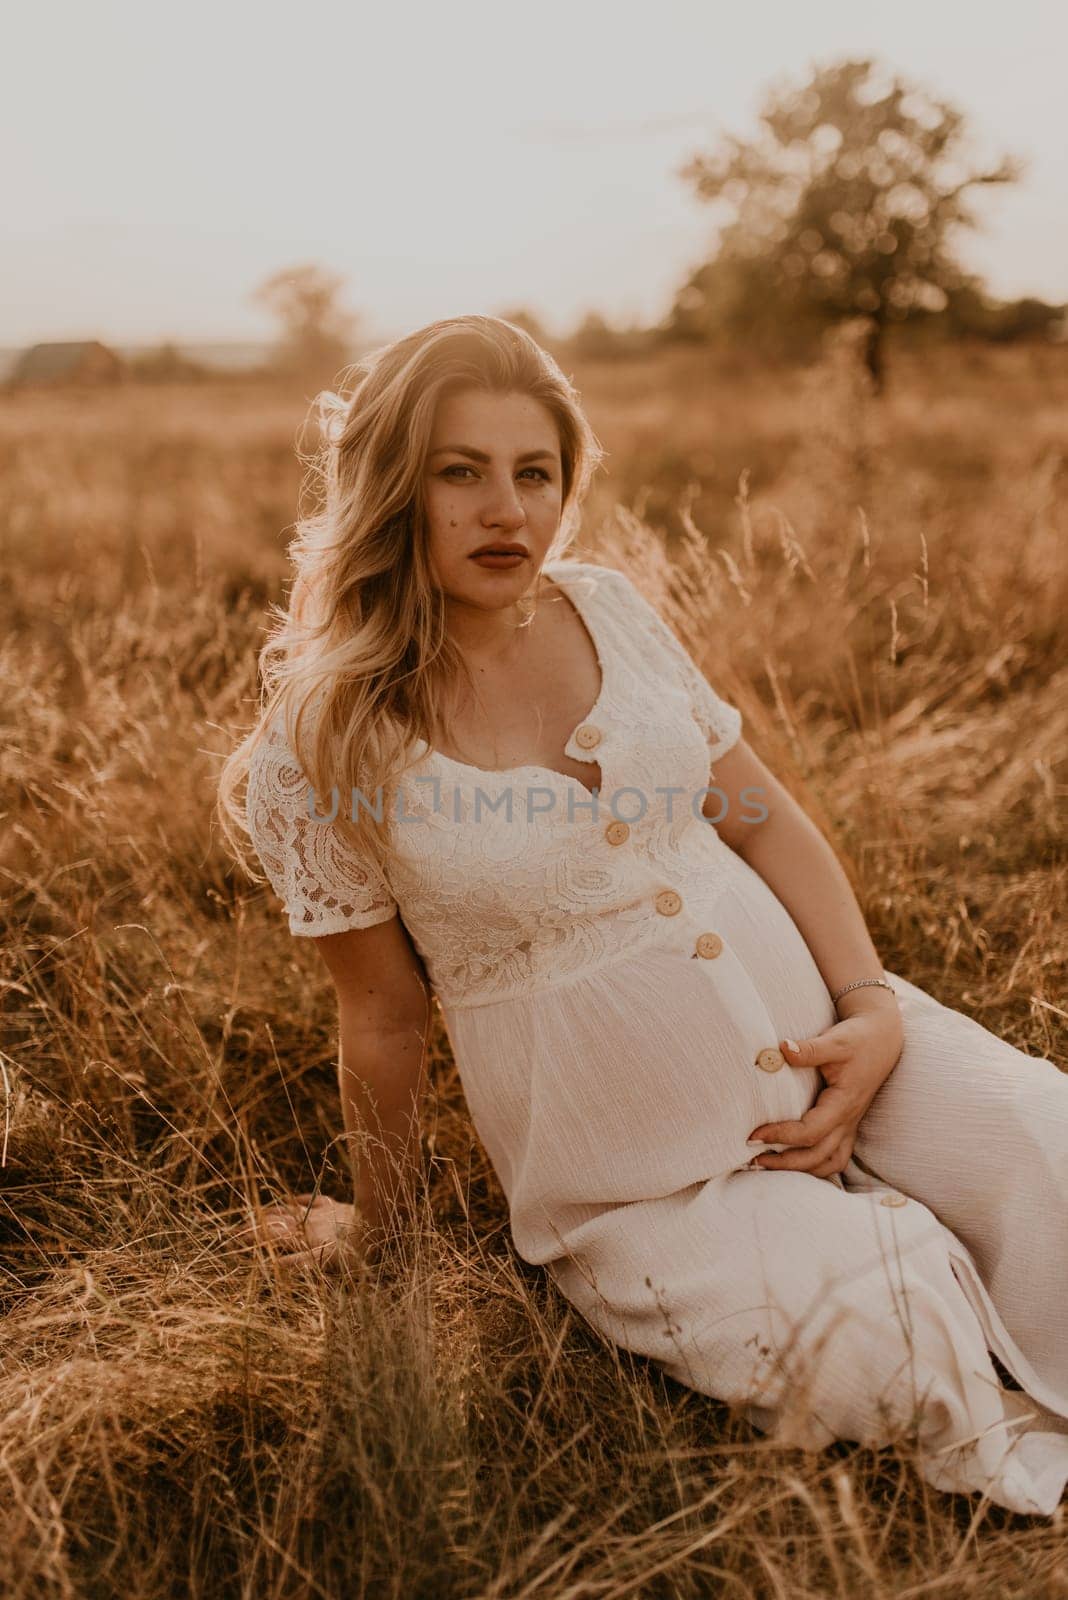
point(383, 1019)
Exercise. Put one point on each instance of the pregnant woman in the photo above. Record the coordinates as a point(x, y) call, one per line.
point(740, 1146)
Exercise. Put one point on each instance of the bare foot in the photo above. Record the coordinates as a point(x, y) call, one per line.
point(311, 1230)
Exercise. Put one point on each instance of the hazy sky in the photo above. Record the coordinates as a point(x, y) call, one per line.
point(162, 160)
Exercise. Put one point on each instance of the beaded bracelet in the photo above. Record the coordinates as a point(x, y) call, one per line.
point(859, 983)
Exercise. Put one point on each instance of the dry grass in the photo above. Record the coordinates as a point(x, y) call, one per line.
point(882, 591)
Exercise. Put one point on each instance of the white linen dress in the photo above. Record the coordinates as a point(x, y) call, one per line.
point(614, 980)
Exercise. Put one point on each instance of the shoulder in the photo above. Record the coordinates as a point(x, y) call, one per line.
point(277, 785)
point(273, 767)
point(616, 596)
point(276, 800)
point(593, 572)
point(327, 886)
point(595, 580)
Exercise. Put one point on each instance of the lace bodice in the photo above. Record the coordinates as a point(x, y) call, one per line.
point(514, 880)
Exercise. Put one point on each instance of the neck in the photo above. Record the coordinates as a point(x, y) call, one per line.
point(489, 635)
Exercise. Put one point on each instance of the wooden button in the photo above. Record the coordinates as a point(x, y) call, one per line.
point(668, 902)
point(617, 832)
point(709, 945)
point(587, 736)
point(894, 1200)
point(770, 1060)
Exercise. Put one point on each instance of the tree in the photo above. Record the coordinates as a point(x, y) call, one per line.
point(1005, 321)
point(165, 363)
point(846, 203)
point(529, 322)
point(594, 339)
point(597, 339)
point(317, 332)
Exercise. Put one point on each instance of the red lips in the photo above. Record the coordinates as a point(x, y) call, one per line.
point(501, 549)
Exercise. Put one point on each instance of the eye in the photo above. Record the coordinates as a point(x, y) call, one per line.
point(460, 467)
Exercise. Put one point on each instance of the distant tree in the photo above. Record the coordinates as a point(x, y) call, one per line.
point(165, 363)
point(594, 339)
point(597, 339)
point(528, 322)
point(846, 202)
point(1031, 318)
point(317, 332)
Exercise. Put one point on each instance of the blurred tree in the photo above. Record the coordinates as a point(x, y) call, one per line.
point(165, 363)
point(1004, 320)
point(528, 322)
point(317, 332)
point(594, 339)
point(597, 339)
point(846, 202)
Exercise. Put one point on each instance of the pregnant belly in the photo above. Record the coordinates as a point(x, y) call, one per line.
point(649, 1075)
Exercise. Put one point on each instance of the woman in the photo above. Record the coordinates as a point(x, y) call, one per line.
point(739, 1145)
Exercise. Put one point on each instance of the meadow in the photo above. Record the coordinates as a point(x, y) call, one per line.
point(880, 585)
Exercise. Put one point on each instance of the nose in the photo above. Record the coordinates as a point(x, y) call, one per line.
point(505, 508)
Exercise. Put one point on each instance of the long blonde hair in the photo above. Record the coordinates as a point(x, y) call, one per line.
point(362, 649)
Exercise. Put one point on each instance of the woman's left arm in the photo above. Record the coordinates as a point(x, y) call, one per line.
point(765, 825)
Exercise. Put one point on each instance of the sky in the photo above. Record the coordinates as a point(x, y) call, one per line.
point(161, 161)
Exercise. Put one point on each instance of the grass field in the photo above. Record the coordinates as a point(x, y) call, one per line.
point(884, 595)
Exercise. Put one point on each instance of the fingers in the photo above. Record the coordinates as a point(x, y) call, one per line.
point(837, 1161)
point(806, 1160)
point(328, 1231)
point(819, 1050)
point(309, 1255)
point(833, 1109)
point(838, 1158)
point(332, 1255)
point(310, 1217)
point(799, 1133)
point(829, 1156)
point(823, 1119)
point(307, 1232)
point(273, 1222)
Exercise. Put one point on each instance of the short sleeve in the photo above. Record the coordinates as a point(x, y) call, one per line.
point(719, 721)
point(325, 886)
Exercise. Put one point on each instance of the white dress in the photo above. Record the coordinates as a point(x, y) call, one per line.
point(614, 980)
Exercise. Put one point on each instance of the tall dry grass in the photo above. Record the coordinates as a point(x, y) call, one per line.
point(881, 589)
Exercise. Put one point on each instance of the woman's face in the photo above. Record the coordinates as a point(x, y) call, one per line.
point(493, 477)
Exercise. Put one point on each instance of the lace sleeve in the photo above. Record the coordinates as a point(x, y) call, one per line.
point(325, 886)
point(720, 722)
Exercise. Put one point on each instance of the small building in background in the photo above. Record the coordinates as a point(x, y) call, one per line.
point(74, 361)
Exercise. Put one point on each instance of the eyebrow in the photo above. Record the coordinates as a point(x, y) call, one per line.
point(480, 455)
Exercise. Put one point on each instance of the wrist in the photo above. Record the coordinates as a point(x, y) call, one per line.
point(870, 998)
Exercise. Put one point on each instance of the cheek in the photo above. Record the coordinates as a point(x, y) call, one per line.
point(447, 535)
point(443, 512)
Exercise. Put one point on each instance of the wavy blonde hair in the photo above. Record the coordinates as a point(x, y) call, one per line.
point(362, 650)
